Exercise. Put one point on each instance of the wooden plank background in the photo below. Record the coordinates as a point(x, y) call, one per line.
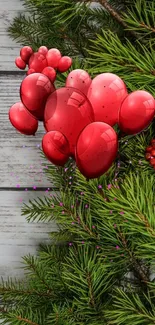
point(20, 161)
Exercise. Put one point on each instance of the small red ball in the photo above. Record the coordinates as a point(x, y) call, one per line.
point(152, 161)
point(53, 57)
point(25, 53)
point(64, 64)
point(148, 149)
point(50, 73)
point(30, 71)
point(20, 63)
point(43, 50)
point(56, 147)
point(37, 62)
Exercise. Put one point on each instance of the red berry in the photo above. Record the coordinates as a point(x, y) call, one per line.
point(43, 50)
point(20, 63)
point(148, 149)
point(30, 71)
point(148, 156)
point(53, 57)
point(64, 63)
point(25, 53)
point(50, 73)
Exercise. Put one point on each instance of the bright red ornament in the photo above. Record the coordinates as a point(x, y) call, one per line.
point(79, 79)
point(56, 147)
point(136, 112)
point(25, 53)
point(96, 149)
point(22, 120)
point(64, 64)
point(153, 152)
point(68, 111)
point(20, 63)
point(30, 71)
point(53, 57)
point(43, 50)
point(50, 73)
point(34, 92)
point(37, 62)
point(152, 161)
point(106, 94)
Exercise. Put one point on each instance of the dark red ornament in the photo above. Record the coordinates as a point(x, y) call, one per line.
point(22, 120)
point(34, 92)
point(147, 156)
point(96, 149)
point(56, 147)
point(68, 111)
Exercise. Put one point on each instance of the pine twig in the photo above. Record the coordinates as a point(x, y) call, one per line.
point(26, 320)
point(114, 14)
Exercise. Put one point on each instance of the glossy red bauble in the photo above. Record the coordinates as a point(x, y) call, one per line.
point(64, 64)
point(53, 57)
point(22, 120)
point(37, 62)
point(79, 79)
point(20, 63)
point(25, 53)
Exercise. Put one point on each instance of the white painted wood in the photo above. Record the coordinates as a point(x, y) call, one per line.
point(17, 237)
point(20, 159)
point(9, 49)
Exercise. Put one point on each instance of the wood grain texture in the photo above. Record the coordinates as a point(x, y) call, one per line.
point(20, 159)
point(17, 237)
point(9, 48)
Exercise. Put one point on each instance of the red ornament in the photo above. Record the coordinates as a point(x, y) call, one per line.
point(30, 71)
point(136, 112)
point(56, 147)
point(68, 111)
point(20, 63)
point(152, 161)
point(53, 57)
point(79, 79)
point(43, 50)
point(64, 64)
point(106, 94)
point(96, 149)
point(22, 120)
point(153, 142)
point(37, 62)
point(25, 53)
point(34, 92)
point(50, 73)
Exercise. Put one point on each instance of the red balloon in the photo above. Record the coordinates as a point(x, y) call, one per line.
point(37, 62)
point(34, 92)
point(79, 79)
point(64, 64)
point(20, 63)
point(25, 53)
point(43, 50)
point(50, 73)
point(96, 149)
point(56, 147)
point(68, 111)
point(53, 57)
point(22, 120)
point(30, 71)
point(106, 94)
point(136, 112)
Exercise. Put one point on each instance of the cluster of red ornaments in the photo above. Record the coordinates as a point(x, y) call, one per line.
point(80, 116)
point(150, 153)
